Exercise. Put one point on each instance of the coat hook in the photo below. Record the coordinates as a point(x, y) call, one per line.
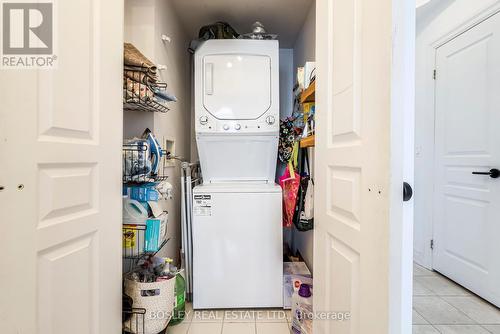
point(165, 38)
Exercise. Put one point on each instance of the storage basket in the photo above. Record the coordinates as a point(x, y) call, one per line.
point(158, 305)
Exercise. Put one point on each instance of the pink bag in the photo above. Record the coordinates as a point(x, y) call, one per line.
point(289, 182)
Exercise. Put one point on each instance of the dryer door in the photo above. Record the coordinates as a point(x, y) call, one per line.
point(236, 86)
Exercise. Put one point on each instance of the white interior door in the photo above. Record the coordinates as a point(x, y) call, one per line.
point(467, 138)
point(364, 79)
point(60, 173)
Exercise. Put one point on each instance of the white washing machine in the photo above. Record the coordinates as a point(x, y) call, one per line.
point(237, 233)
point(237, 246)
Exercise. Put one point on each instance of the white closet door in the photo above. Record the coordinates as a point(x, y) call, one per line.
point(361, 94)
point(60, 153)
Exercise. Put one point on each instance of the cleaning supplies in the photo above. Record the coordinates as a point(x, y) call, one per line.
point(294, 274)
point(302, 310)
point(134, 212)
point(142, 192)
point(166, 271)
point(180, 299)
point(152, 235)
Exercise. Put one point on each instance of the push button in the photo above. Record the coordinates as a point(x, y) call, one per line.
point(237, 126)
point(226, 127)
point(270, 120)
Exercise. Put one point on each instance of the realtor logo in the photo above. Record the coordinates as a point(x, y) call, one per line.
point(27, 34)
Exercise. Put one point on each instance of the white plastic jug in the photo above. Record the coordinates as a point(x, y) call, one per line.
point(133, 212)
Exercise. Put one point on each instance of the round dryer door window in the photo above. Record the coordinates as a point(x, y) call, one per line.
point(236, 86)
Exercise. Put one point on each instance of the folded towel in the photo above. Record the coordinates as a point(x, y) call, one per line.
point(133, 57)
point(139, 76)
point(138, 89)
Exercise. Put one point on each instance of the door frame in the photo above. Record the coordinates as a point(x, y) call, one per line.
point(430, 55)
point(402, 142)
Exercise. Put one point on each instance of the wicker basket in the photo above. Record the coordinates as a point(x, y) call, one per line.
point(159, 305)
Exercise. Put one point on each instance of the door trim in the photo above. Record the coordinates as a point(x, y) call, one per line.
point(466, 25)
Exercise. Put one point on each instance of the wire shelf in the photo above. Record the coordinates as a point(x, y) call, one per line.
point(140, 91)
point(133, 320)
point(139, 165)
point(135, 246)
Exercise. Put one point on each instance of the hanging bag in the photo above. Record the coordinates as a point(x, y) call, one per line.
point(304, 211)
point(290, 182)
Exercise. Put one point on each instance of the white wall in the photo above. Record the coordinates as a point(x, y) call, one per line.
point(145, 22)
point(286, 82)
point(304, 50)
point(435, 21)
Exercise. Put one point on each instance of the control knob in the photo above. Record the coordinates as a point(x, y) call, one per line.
point(203, 120)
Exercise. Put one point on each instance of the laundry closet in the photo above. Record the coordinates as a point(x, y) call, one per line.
point(144, 190)
point(224, 121)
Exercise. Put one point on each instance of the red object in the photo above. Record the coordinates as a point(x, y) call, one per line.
point(290, 185)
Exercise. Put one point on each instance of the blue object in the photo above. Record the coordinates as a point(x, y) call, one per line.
point(156, 151)
point(164, 95)
point(136, 164)
point(152, 235)
point(142, 193)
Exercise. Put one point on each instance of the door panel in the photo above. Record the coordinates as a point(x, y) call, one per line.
point(358, 168)
point(467, 209)
point(72, 268)
point(71, 116)
point(60, 147)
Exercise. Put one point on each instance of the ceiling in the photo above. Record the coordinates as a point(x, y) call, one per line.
point(282, 17)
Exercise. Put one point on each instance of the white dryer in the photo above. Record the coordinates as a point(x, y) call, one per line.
point(237, 109)
point(236, 225)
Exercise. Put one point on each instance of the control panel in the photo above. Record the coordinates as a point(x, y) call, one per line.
point(206, 123)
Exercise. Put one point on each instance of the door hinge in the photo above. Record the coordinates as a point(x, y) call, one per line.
point(434, 74)
point(432, 243)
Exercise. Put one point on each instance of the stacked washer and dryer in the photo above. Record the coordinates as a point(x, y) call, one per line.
point(237, 215)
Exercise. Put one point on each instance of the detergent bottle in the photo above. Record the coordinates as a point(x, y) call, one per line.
point(302, 310)
point(180, 298)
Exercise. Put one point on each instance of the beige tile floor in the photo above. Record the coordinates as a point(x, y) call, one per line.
point(262, 321)
point(441, 306)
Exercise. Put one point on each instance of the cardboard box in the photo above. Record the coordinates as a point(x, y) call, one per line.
point(294, 273)
point(309, 68)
